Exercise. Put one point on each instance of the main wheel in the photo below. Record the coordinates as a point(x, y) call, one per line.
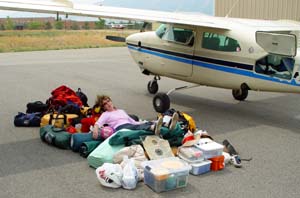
point(152, 86)
point(161, 102)
point(240, 94)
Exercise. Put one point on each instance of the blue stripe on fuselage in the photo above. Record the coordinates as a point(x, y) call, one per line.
point(223, 68)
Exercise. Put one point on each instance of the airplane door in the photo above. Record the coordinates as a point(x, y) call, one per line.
point(178, 44)
point(282, 44)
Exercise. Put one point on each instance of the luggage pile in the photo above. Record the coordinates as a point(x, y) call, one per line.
point(125, 157)
point(64, 114)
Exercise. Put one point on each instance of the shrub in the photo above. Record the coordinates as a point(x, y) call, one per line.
point(59, 25)
point(35, 25)
point(100, 24)
point(48, 26)
point(9, 24)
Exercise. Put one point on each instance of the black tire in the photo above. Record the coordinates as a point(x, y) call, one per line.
point(152, 86)
point(240, 94)
point(161, 102)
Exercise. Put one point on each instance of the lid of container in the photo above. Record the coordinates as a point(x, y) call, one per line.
point(209, 146)
point(171, 164)
point(191, 161)
point(190, 152)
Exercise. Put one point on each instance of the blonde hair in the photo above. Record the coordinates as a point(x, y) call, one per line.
point(100, 99)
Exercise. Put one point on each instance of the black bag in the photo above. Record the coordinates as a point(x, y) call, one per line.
point(70, 108)
point(55, 136)
point(27, 120)
point(37, 106)
point(83, 97)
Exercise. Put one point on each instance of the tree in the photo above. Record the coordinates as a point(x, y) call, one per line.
point(86, 25)
point(59, 25)
point(35, 25)
point(100, 24)
point(48, 26)
point(9, 24)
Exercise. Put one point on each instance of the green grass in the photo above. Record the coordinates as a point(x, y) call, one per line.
point(36, 40)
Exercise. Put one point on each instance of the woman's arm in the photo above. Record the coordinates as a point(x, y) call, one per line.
point(99, 123)
point(95, 131)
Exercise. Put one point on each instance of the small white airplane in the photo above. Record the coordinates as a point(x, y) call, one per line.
point(118, 26)
point(231, 53)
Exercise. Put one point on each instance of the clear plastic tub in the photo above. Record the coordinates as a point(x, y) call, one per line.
point(201, 167)
point(166, 174)
point(209, 148)
point(190, 154)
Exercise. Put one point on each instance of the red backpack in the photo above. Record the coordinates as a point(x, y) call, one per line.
point(62, 96)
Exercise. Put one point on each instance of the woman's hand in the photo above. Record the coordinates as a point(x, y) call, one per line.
point(95, 132)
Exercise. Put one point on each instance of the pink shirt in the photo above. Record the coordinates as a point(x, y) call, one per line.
point(115, 118)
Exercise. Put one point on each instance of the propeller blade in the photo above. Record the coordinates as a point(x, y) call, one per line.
point(116, 38)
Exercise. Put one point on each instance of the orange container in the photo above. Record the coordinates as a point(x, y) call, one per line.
point(217, 163)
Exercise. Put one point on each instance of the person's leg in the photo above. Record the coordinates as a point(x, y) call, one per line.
point(145, 126)
point(158, 126)
point(174, 121)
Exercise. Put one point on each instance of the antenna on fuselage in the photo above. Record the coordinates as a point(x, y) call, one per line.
point(229, 12)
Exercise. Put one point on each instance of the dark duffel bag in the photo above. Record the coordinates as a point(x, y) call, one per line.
point(37, 106)
point(57, 137)
point(78, 138)
point(87, 147)
point(27, 119)
point(83, 97)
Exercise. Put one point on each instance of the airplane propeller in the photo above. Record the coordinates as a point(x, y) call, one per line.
point(116, 38)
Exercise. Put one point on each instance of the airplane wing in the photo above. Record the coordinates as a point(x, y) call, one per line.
point(67, 7)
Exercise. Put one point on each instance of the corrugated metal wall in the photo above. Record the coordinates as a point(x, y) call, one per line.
point(259, 9)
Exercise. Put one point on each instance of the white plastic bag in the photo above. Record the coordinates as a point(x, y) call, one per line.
point(110, 175)
point(130, 174)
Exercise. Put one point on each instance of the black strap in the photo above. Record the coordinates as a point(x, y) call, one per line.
point(57, 117)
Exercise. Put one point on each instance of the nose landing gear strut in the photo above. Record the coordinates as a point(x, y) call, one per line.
point(161, 101)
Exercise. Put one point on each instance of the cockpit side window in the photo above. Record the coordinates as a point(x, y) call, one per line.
point(219, 42)
point(161, 30)
point(179, 35)
point(275, 66)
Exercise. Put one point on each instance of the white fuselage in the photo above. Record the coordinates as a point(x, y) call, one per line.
point(197, 64)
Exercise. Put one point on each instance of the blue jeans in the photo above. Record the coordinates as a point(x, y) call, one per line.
point(145, 126)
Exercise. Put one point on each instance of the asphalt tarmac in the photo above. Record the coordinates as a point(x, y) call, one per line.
point(264, 127)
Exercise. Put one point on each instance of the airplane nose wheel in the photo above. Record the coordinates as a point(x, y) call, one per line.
point(152, 86)
point(161, 102)
point(240, 94)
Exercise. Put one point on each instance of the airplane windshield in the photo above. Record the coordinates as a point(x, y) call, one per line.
point(276, 66)
point(178, 35)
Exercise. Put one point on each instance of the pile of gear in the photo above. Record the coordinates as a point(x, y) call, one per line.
point(125, 157)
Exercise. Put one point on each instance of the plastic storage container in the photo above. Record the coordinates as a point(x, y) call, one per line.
point(166, 174)
point(217, 163)
point(209, 148)
point(190, 154)
point(201, 167)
